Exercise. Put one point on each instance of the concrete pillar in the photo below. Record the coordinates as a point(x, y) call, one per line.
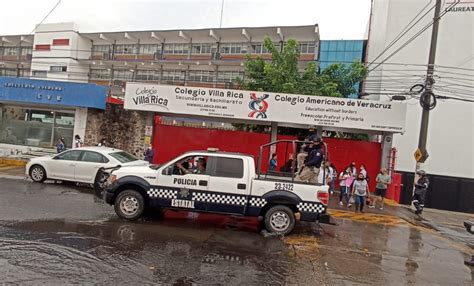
point(319, 132)
point(80, 121)
point(387, 140)
point(273, 136)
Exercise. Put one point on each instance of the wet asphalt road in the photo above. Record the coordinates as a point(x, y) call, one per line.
point(56, 234)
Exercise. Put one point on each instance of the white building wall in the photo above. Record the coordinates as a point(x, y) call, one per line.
point(450, 135)
point(78, 48)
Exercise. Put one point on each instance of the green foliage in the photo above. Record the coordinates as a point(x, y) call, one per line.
point(281, 74)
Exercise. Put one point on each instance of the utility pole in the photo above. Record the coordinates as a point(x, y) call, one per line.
point(421, 154)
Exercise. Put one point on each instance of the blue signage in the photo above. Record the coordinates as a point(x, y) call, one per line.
point(25, 90)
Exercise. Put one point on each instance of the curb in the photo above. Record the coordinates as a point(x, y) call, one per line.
point(13, 162)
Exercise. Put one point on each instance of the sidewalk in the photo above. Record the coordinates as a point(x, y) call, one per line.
point(448, 223)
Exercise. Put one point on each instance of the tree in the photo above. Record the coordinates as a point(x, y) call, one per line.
point(281, 74)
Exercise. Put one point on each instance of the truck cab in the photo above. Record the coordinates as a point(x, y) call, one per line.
point(216, 182)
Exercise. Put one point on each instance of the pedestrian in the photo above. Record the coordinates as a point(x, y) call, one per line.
point(311, 169)
point(61, 145)
point(273, 163)
point(353, 169)
point(332, 183)
point(363, 171)
point(102, 143)
point(77, 141)
point(360, 191)
point(421, 186)
point(149, 154)
point(383, 180)
point(343, 188)
point(301, 157)
point(312, 134)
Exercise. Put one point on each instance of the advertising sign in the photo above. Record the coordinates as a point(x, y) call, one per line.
point(268, 107)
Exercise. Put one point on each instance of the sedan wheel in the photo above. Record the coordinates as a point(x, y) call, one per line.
point(37, 174)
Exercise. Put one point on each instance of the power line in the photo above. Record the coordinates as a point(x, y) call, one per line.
point(45, 17)
point(415, 36)
point(405, 30)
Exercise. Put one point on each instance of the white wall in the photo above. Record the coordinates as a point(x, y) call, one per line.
point(79, 48)
point(450, 134)
point(80, 122)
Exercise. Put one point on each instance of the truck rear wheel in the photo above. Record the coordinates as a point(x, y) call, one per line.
point(280, 220)
point(129, 205)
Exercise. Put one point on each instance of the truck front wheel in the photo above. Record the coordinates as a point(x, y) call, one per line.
point(280, 220)
point(129, 205)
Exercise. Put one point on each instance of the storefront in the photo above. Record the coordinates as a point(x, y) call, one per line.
point(37, 113)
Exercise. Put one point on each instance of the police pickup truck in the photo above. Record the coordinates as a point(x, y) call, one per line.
point(217, 182)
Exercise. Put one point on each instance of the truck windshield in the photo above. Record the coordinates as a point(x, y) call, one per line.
point(123, 157)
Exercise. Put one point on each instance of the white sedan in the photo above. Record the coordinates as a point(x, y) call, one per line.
point(79, 165)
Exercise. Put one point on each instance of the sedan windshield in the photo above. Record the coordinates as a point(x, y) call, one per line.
point(123, 157)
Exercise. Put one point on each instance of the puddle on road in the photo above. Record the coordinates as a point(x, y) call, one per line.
point(186, 249)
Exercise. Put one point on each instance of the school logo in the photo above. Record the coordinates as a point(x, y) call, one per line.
point(258, 105)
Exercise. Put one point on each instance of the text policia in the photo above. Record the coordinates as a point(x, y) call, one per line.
point(293, 100)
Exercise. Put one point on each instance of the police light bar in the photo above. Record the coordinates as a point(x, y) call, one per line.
point(212, 149)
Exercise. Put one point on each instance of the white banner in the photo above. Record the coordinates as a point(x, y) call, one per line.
point(267, 106)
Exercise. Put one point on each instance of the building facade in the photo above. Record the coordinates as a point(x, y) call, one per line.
point(450, 135)
point(205, 57)
point(202, 58)
point(342, 51)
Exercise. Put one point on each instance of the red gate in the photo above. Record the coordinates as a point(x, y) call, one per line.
point(171, 141)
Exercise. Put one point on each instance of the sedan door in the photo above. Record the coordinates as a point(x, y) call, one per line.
point(62, 166)
point(88, 165)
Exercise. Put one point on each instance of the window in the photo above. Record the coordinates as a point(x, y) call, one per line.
point(233, 48)
point(99, 49)
point(229, 76)
point(177, 49)
point(229, 167)
point(43, 47)
point(8, 72)
point(93, 157)
point(40, 74)
point(126, 49)
point(123, 157)
point(72, 155)
point(307, 47)
point(123, 74)
point(10, 51)
point(100, 74)
point(189, 165)
point(147, 75)
point(61, 42)
point(201, 49)
point(173, 75)
point(259, 48)
point(149, 49)
point(58, 68)
point(26, 51)
point(201, 76)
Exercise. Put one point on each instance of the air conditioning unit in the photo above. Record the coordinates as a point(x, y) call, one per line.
point(215, 56)
point(158, 56)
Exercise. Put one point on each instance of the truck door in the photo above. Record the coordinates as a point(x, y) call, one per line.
point(180, 183)
point(228, 185)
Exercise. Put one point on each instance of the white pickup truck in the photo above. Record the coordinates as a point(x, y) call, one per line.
point(220, 182)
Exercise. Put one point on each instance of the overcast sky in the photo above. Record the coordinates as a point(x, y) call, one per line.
point(337, 19)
